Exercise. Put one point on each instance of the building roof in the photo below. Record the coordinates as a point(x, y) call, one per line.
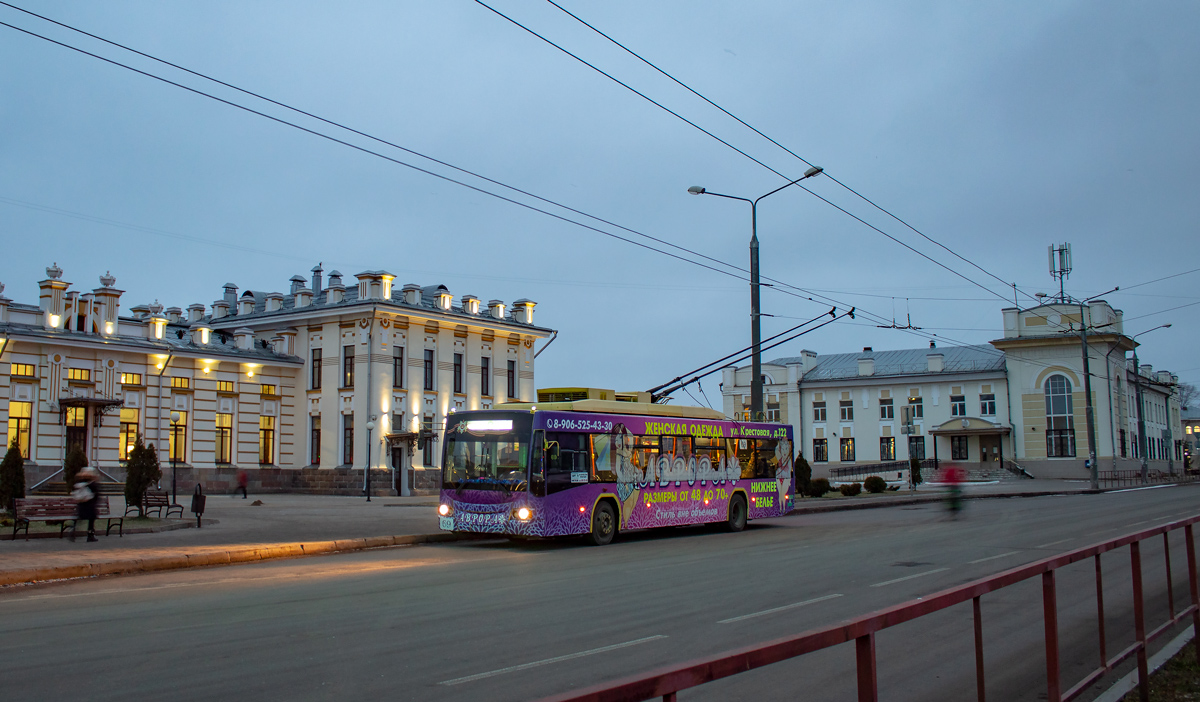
point(981, 358)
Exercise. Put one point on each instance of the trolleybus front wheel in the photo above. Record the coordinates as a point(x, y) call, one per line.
point(737, 513)
point(604, 524)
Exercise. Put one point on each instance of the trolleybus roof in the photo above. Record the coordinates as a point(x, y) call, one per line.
point(614, 407)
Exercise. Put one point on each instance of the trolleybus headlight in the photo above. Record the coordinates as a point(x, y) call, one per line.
point(444, 510)
point(524, 514)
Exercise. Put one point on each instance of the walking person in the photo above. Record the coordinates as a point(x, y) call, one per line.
point(243, 480)
point(86, 494)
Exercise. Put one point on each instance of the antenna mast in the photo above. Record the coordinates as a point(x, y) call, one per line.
point(1060, 267)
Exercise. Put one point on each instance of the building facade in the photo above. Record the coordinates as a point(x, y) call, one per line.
point(302, 390)
point(1018, 402)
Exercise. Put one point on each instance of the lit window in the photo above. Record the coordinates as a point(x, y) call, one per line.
point(266, 440)
point(820, 450)
point(847, 450)
point(80, 374)
point(178, 436)
point(887, 448)
point(129, 431)
point(224, 447)
point(131, 378)
point(225, 386)
point(181, 383)
point(21, 370)
point(265, 389)
point(19, 416)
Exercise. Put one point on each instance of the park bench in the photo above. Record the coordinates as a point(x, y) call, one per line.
point(156, 501)
point(62, 510)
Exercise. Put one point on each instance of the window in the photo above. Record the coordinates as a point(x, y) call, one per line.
point(1121, 433)
point(225, 386)
point(19, 416)
point(485, 376)
point(224, 447)
point(397, 366)
point(1060, 420)
point(80, 374)
point(266, 440)
point(916, 407)
point(887, 448)
point(77, 428)
point(315, 371)
point(847, 450)
point(458, 372)
point(348, 366)
point(178, 437)
point(820, 450)
point(512, 380)
point(131, 378)
point(347, 439)
point(916, 447)
point(21, 370)
point(314, 441)
point(886, 410)
point(129, 432)
point(265, 389)
point(847, 409)
point(429, 369)
point(818, 411)
point(958, 405)
point(987, 405)
point(958, 448)
point(427, 439)
point(181, 383)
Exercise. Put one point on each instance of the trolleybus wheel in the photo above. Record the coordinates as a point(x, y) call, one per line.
point(604, 524)
point(737, 513)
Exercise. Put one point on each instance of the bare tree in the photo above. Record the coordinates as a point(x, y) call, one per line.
point(1187, 393)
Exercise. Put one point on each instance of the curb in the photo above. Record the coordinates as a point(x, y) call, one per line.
point(925, 499)
point(214, 558)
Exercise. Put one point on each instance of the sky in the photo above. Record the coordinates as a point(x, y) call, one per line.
point(994, 129)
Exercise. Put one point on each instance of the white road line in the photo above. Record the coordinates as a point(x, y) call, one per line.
point(1151, 487)
point(778, 609)
point(1144, 521)
point(992, 558)
point(1053, 543)
point(909, 577)
point(548, 661)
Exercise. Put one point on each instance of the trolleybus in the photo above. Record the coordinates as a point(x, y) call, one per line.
point(598, 467)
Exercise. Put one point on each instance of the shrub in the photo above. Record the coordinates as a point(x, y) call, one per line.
point(914, 470)
point(12, 477)
point(850, 490)
point(142, 471)
point(803, 476)
point(875, 484)
point(818, 487)
point(76, 459)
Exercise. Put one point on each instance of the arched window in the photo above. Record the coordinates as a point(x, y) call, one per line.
point(1060, 420)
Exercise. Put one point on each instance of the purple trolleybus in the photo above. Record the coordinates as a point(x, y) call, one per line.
point(598, 467)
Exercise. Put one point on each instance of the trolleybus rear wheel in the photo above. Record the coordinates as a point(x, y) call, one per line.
point(737, 514)
point(604, 524)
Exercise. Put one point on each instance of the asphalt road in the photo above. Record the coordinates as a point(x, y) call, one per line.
point(509, 621)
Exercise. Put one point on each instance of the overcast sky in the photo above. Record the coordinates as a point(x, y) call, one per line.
point(994, 128)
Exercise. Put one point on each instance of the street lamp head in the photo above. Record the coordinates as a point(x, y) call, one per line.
point(696, 190)
point(1167, 325)
point(370, 426)
point(815, 170)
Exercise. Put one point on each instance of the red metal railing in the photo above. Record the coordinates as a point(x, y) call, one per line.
point(666, 682)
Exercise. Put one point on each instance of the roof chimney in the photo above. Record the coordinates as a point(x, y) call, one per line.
point(195, 312)
point(298, 282)
point(231, 294)
point(317, 271)
point(937, 362)
point(412, 293)
point(932, 345)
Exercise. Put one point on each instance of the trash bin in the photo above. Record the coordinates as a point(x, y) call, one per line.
point(198, 500)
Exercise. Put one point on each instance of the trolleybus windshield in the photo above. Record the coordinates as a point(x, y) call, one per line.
point(487, 452)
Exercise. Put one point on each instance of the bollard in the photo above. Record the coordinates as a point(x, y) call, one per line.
point(198, 499)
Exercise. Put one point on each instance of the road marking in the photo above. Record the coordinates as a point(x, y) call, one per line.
point(548, 661)
point(1053, 543)
point(1135, 524)
point(1151, 487)
point(909, 577)
point(992, 558)
point(778, 609)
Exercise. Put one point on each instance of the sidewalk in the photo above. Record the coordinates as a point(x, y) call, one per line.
point(288, 525)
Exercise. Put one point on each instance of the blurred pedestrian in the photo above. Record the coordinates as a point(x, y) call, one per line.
point(243, 480)
point(954, 477)
point(86, 494)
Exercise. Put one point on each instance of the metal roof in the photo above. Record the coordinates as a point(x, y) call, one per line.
point(981, 358)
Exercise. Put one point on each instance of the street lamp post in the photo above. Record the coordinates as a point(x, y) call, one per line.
point(175, 416)
point(370, 428)
point(1137, 385)
point(756, 386)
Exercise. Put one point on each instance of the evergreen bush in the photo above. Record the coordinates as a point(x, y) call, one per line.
point(12, 477)
point(141, 472)
point(850, 490)
point(875, 484)
point(803, 476)
point(818, 487)
point(76, 460)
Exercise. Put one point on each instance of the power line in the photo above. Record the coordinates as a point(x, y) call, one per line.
point(776, 143)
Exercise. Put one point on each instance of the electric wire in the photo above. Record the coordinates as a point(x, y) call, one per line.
point(776, 143)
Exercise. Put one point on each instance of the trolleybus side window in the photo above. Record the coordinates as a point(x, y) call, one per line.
point(567, 460)
point(645, 456)
point(604, 454)
point(766, 463)
point(712, 449)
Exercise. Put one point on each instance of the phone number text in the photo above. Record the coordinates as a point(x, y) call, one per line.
point(579, 424)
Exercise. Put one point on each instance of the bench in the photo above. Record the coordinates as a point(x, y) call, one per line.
point(60, 509)
point(156, 501)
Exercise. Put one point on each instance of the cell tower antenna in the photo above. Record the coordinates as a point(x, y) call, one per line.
point(1060, 267)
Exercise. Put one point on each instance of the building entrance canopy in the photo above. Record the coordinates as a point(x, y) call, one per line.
point(968, 426)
